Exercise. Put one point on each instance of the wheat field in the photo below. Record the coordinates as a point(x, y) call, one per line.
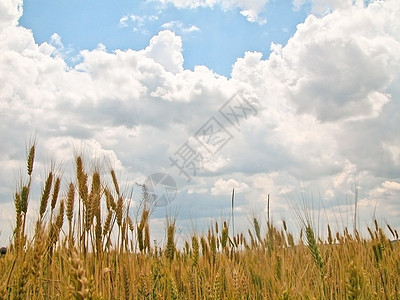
point(85, 245)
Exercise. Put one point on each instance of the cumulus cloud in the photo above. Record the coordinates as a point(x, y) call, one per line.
point(251, 10)
point(10, 12)
point(327, 109)
point(224, 187)
point(342, 68)
point(166, 49)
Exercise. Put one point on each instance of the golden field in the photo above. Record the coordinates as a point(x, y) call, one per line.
point(85, 245)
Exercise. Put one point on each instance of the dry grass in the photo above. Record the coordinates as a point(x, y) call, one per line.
point(101, 253)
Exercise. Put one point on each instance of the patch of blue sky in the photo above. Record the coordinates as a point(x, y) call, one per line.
point(210, 36)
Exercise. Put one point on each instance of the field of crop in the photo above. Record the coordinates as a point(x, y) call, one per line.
point(85, 245)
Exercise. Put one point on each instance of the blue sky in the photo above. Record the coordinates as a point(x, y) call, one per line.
point(211, 36)
point(134, 83)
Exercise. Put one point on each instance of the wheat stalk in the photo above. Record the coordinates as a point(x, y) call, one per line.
point(79, 282)
point(170, 248)
point(46, 194)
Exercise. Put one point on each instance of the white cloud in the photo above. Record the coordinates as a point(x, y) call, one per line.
point(327, 6)
point(191, 28)
point(179, 27)
point(10, 12)
point(55, 40)
point(166, 49)
point(391, 186)
point(190, 3)
point(123, 22)
point(384, 198)
point(224, 187)
point(327, 110)
point(342, 63)
point(137, 22)
point(249, 9)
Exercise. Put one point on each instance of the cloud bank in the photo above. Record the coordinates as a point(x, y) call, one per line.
point(327, 108)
